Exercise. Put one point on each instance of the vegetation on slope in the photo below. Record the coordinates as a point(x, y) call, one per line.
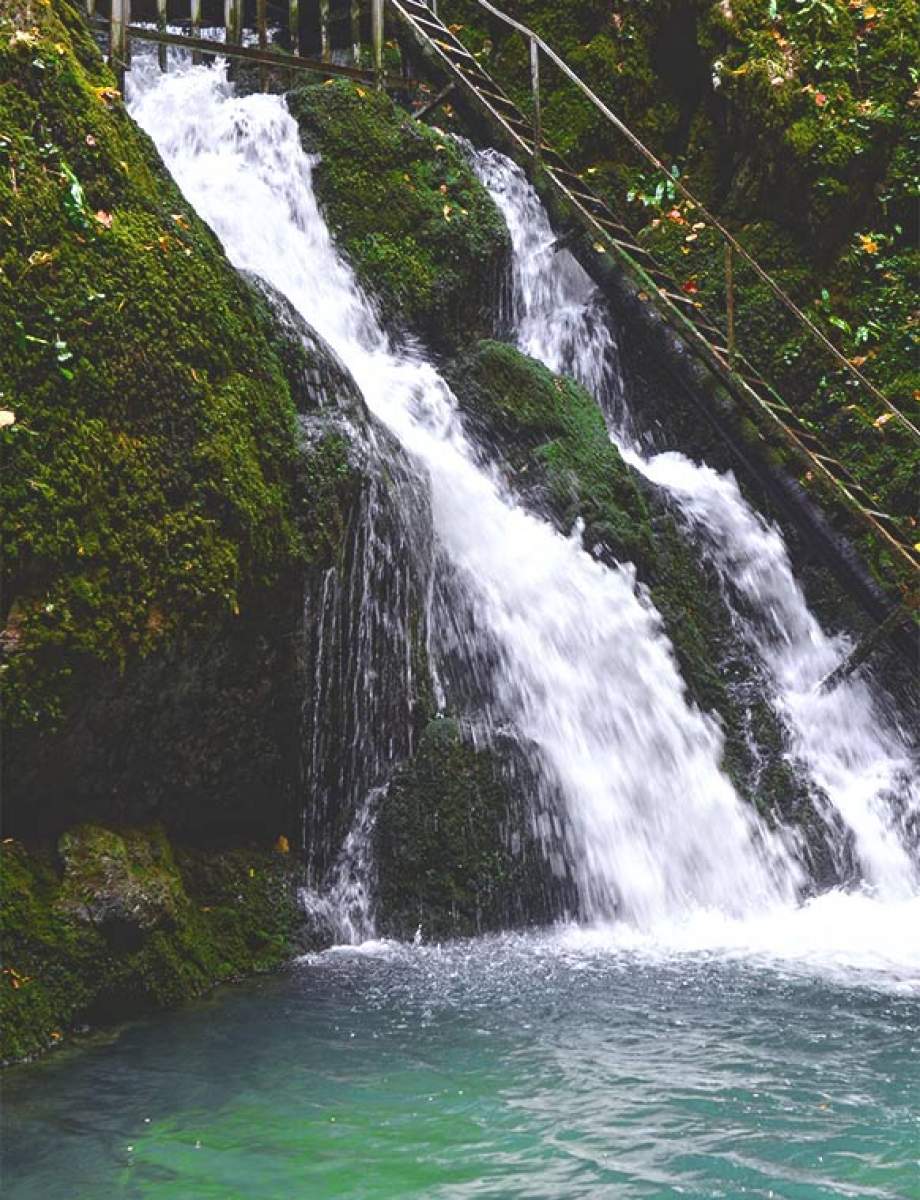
point(147, 476)
point(112, 923)
point(797, 122)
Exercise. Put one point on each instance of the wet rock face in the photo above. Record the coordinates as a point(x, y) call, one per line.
point(125, 886)
point(421, 232)
point(459, 847)
point(550, 439)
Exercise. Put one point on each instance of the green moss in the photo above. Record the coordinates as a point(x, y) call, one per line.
point(419, 228)
point(551, 430)
point(451, 842)
point(115, 922)
point(147, 478)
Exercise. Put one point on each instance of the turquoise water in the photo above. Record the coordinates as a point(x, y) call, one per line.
point(539, 1066)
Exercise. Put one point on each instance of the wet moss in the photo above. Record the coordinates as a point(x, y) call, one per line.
point(147, 479)
point(420, 230)
point(553, 436)
point(454, 850)
point(113, 922)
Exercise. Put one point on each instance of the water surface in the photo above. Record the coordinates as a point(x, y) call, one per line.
point(543, 1066)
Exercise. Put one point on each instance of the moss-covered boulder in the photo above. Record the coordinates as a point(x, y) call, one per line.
point(554, 444)
point(147, 477)
point(456, 848)
point(420, 230)
point(115, 922)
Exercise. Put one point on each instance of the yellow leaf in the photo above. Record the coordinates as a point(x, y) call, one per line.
point(360, 91)
point(869, 12)
point(882, 420)
point(600, 247)
point(282, 845)
point(447, 211)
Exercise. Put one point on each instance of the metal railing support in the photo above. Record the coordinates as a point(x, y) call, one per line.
point(377, 39)
point(730, 303)
point(118, 40)
point(535, 94)
point(162, 49)
point(356, 32)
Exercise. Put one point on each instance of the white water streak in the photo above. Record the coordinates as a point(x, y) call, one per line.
point(851, 751)
point(586, 671)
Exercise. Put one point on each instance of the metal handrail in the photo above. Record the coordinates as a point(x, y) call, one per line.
point(537, 42)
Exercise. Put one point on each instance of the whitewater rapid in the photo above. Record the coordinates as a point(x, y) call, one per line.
point(850, 747)
point(661, 841)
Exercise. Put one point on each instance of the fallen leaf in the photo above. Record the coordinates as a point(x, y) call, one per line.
point(820, 99)
point(104, 218)
point(882, 420)
point(282, 845)
point(7, 417)
point(90, 140)
point(690, 287)
point(443, 189)
point(868, 244)
point(447, 211)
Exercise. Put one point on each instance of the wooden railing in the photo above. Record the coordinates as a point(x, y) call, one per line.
point(122, 31)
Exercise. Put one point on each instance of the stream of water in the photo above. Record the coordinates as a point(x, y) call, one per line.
point(704, 1034)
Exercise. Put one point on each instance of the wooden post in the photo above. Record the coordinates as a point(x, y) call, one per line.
point(195, 15)
point(232, 22)
point(377, 38)
point(161, 25)
point(118, 40)
point(262, 28)
point(730, 303)
point(324, 51)
point(294, 25)
point(356, 32)
point(535, 92)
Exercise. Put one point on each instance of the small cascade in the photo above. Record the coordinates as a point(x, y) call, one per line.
point(579, 664)
point(853, 752)
point(343, 911)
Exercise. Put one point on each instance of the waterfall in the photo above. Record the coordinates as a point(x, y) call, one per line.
point(581, 664)
point(854, 753)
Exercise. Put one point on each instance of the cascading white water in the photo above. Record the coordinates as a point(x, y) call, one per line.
point(584, 669)
point(852, 752)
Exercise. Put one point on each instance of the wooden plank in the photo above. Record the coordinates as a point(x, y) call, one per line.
point(271, 57)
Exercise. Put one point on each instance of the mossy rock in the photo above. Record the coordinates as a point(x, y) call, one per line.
point(147, 479)
point(120, 922)
point(456, 853)
point(553, 436)
point(420, 230)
